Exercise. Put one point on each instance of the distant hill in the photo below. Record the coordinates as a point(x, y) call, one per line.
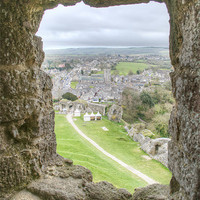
point(110, 51)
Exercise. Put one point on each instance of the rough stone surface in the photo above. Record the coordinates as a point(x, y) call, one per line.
point(107, 191)
point(155, 148)
point(58, 188)
point(27, 129)
point(106, 3)
point(27, 139)
point(115, 113)
point(25, 195)
point(152, 192)
point(184, 148)
point(67, 182)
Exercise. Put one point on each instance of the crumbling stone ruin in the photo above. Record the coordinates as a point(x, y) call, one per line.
point(28, 158)
point(115, 113)
point(155, 148)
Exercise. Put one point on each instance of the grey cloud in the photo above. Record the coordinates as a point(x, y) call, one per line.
point(81, 25)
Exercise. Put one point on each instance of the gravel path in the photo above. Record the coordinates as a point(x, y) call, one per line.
point(131, 169)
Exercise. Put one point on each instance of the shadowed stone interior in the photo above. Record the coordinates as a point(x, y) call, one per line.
point(27, 139)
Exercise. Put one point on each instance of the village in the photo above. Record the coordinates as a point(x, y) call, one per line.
point(96, 79)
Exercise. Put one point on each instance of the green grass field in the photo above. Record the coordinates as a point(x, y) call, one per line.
point(71, 145)
point(73, 84)
point(114, 141)
point(125, 67)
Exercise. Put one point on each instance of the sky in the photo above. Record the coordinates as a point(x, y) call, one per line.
point(116, 26)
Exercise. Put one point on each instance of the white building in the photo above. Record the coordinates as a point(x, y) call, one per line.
point(86, 117)
point(92, 117)
point(98, 116)
point(77, 113)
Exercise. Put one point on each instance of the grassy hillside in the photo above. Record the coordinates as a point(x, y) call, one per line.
point(116, 142)
point(125, 67)
point(72, 146)
point(110, 51)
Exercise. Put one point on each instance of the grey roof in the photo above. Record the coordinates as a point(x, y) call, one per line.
point(90, 78)
point(97, 75)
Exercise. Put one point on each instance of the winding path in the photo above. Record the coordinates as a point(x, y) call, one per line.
point(131, 169)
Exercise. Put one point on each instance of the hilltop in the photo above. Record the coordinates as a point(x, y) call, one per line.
point(109, 51)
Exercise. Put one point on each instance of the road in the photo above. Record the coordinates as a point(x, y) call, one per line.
point(131, 169)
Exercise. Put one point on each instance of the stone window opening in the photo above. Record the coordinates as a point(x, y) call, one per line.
point(106, 75)
point(26, 92)
point(157, 148)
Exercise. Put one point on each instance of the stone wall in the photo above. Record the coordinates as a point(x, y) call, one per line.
point(84, 107)
point(115, 113)
point(27, 139)
point(97, 108)
point(155, 148)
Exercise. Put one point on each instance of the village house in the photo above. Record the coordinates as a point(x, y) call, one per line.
point(86, 117)
point(77, 113)
point(92, 117)
point(98, 116)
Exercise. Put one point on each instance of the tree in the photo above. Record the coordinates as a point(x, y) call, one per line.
point(55, 100)
point(69, 96)
point(68, 66)
point(131, 104)
point(156, 96)
point(146, 99)
point(139, 71)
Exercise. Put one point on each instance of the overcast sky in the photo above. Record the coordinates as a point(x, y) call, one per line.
point(81, 25)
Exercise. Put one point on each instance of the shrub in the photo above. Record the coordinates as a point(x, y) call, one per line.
point(69, 96)
point(161, 124)
point(55, 100)
point(153, 107)
point(139, 71)
point(146, 99)
point(162, 129)
point(131, 104)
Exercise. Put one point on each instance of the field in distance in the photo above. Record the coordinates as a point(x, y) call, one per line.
point(114, 141)
point(125, 67)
